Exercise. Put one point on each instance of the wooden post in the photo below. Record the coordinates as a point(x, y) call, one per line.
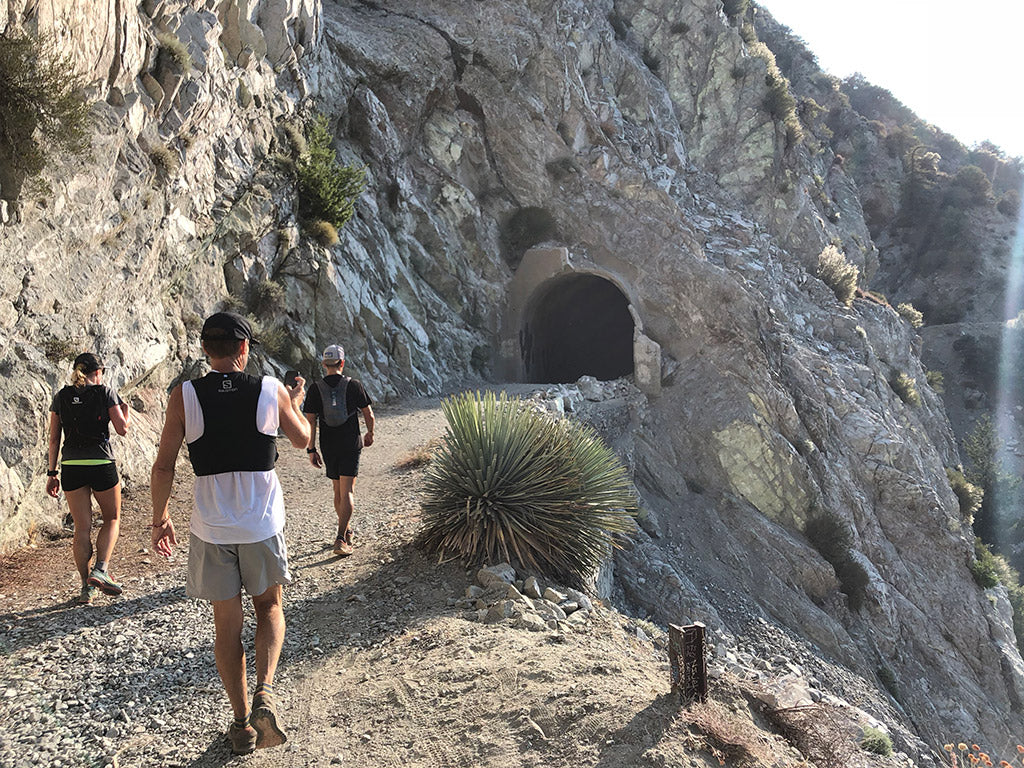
point(687, 656)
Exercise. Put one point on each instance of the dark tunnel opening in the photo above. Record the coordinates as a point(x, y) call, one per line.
point(575, 326)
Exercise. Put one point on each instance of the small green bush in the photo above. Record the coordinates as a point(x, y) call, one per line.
point(834, 542)
point(972, 186)
point(985, 568)
point(906, 387)
point(323, 232)
point(936, 381)
point(838, 274)
point(42, 108)
point(172, 49)
point(327, 189)
point(876, 741)
point(1009, 203)
point(909, 313)
point(888, 680)
point(967, 493)
point(512, 484)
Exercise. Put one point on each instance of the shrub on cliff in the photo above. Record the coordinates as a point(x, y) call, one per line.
point(327, 189)
point(911, 314)
point(838, 274)
point(511, 484)
point(970, 187)
point(42, 107)
point(905, 386)
point(967, 493)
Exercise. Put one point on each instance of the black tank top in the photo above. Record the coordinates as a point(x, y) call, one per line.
point(230, 441)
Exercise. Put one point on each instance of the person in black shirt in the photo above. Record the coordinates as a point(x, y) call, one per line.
point(333, 404)
point(82, 412)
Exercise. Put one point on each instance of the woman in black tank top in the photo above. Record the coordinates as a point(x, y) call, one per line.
point(82, 413)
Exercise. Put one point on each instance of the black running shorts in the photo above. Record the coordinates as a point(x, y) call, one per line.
point(341, 463)
point(98, 477)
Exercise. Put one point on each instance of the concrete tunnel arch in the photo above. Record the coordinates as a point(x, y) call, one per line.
point(569, 317)
point(576, 325)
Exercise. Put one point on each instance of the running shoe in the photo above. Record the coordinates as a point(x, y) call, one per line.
point(242, 738)
point(86, 595)
point(102, 581)
point(264, 720)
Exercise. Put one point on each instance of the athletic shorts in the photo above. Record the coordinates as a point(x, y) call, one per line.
point(219, 571)
point(341, 463)
point(98, 477)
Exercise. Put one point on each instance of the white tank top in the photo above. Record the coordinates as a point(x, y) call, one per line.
point(236, 507)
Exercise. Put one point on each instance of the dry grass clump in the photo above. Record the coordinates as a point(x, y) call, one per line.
point(911, 314)
point(163, 159)
point(838, 274)
point(905, 386)
point(323, 232)
point(732, 739)
point(419, 456)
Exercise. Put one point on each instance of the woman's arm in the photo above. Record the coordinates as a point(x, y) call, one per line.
point(53, 449)
point(119, 418)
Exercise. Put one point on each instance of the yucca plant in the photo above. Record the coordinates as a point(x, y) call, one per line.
point(511, 484)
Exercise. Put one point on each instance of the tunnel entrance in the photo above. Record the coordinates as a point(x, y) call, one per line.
point(574, 326)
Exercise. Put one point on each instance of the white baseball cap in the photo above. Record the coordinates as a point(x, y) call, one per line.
point(335, 353)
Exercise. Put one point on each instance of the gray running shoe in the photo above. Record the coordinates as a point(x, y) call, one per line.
point(264, 720)
point(242, 738)
point(86, 595)
point(102, 581)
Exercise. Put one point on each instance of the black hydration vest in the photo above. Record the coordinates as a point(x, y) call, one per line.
point(230, 441)
point(84, 416)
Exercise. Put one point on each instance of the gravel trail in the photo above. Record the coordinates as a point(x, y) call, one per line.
point(132, 681)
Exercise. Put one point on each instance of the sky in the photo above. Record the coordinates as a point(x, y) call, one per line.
point(957, 64)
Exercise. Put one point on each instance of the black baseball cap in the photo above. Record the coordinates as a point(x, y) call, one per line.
point(87, 362)
point(226, 326)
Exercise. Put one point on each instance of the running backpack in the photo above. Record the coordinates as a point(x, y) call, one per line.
point(84, 416)
point(334, 402)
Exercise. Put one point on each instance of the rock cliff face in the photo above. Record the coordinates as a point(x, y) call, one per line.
point(550, 186)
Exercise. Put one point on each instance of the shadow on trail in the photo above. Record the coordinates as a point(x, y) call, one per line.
point(35, 626)
point(326, 555)
point(647, 728)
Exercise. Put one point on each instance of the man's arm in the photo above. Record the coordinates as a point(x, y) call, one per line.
point(162, 477)
point(368, 418)
point(314, 457)
point(289, 410)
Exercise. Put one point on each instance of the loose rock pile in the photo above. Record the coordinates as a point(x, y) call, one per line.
point(500, 596)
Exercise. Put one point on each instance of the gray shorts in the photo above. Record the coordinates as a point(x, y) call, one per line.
point(219, 571)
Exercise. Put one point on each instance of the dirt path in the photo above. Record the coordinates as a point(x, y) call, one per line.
point(380, 668)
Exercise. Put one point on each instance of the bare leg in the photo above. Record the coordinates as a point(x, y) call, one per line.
point(80, 504)
point(269, 633)
point(110, 505)
point(228, 651)
point(344, 502)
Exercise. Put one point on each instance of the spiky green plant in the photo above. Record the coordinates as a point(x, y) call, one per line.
point(511, 484)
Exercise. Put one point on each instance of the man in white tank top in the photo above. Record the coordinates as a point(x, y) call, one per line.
point(230, 421)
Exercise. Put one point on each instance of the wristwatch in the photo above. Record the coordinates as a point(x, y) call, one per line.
point(311, 450)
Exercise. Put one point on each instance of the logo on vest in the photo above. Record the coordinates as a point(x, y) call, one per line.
point(76, 400)
point(226, 385)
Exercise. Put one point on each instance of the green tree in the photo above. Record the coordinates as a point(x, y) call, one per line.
point(327, 189)
point(42, 108)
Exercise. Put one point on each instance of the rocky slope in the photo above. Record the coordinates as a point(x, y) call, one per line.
point(513, 154)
